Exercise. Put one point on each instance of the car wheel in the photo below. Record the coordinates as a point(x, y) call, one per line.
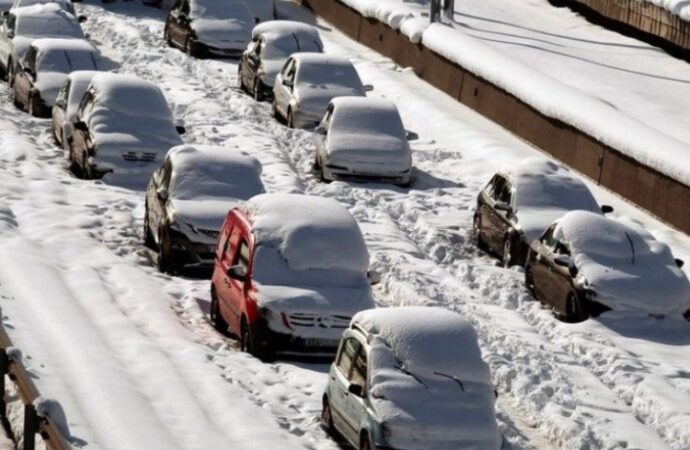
point(166, 36)
point(290, 121)
point(74, 166)
point(258, 95)
point(507, 252)
point(364, 443)
point(31, 108)
point(529, 279)
point(188, 47)
point(248, 344)
point(149, 242)
point(327, 416)
point(575, 311)
point(87, 170)
point(274, 110)
point(214, 314)
point(476, 228)
point(164, 260)
point(13, 98)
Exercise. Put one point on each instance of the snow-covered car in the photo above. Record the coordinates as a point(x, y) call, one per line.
point(209, 28)
point(411, 378)
point(64, 110)
point(188, 198)
point(64, 4)
point(44, 68)
point(22, 25)
point(290, 272)
point(586, 263)
point(307, 84)
point(272, 43)
point(519, 203)
point(362, 138)
point(124, 128)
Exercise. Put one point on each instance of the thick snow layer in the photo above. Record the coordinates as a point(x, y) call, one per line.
point(367, 133)
point(79, 82)
point(678, 7)
point(626, 267)
point(498, 41)
point(46, 20)
point(309, 232)
point(222, 24)
point(428, 382)
point(64, 4)
point(543, 191)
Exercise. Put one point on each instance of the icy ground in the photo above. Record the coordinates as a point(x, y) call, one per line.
point(130, 356)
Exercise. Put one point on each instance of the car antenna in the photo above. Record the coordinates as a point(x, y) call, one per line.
point(457, 380)
point(632, 246)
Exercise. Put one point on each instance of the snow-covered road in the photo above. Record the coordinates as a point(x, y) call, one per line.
point(132, 360)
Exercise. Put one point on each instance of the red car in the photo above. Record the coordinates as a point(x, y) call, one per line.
point(289, 274)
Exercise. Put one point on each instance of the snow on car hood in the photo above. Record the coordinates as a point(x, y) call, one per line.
point(222, 33)
point(314, 299)
point(363, 150)
point(314, 99)
point(534, 221)
point(204, 216)
point(49, 85)
point(625, 266)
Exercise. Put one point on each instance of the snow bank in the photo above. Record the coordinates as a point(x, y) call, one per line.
point(626, 267)
point(551, 97)
point(428, 381)
point(680, 8)
point(309, 232)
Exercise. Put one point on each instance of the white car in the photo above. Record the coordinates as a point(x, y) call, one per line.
point(209, 28)
point(65, 108)
point(64, 4)
point(411, 378)
point(23, 25)
point(307, 84)
point(123, 129)
point(272, 43)
point(188, 198)
point(362, 138)
point(586, 263)
point(44, 69)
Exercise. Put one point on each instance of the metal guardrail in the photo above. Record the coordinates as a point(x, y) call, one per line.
point(28, 393)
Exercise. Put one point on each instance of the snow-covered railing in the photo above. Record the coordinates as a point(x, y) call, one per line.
point(34, 422)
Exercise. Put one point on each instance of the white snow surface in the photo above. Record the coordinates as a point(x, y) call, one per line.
point(118, 333)
point(64, 4)
point(222, 24)
point(79, 82)
point(428, 382)
point(46, 20)
point(626, 267)
point(565, 68)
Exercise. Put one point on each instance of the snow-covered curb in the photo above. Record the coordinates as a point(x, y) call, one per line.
point(552, 98)
point(680, 8)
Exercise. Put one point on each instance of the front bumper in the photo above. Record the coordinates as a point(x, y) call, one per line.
point(342, 173)
point(191, 255)
point(270, 342)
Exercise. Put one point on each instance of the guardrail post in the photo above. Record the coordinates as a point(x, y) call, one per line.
point(30, 427)
point(4, 370)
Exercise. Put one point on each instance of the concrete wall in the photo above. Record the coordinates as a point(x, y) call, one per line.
point(661, 195)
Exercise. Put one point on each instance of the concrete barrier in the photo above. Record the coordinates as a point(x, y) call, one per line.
point(659, 194)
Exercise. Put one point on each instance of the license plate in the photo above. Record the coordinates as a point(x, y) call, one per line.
point(319, 343)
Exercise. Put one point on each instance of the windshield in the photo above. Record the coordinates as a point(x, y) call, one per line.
point(366, 121)
point(329, 74)
point(553, 192)
point(66, 61)
point(214, 181)
point(54, 25)
point(287, 45)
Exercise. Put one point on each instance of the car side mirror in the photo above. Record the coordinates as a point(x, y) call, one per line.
point(5, 13)
point(411, 136)
point(256, 20)
point(81, 126)
point(237, 273)
point(503, 206)
point(679, 262)
point(606, 209)
point(321, 130)
point(374, 277)
point(368, 88)
point(162, 194)
point(180, 129)
point(288, 83)
point(355, 389)
point(82, 19)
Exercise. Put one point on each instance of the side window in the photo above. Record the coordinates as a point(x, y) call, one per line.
point(496, 186)
point(166, 175)
point(61, 99)
point(326, 121)
point(291, 73)
point(11, 23)
point(289, 66)
point(348, 351)
point(242, 256)
point(359, 371)
point(86, 104)
point(184, 9)
point(224, 241)
point(506, 194)
point(562, 248)
point(547, 238)
point(176, 9)
point(30, 58)
point(254, 46)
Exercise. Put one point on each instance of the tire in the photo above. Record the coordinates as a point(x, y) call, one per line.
point(318, 169)
point(327, 416)
point(247, 343)
point(148, 237)
point(476, 227)
point(13, 98)
point(166, 36)
point(364, 443)
point(214, 315)
point(3, 74)
point(575, 310)
point(74, 166)
point(507, 257)
point(87, 170)
point(290, 120)
point(188, 47)
point(31, 107)
point(258, 95)
point(529, 279)
point(164, 260)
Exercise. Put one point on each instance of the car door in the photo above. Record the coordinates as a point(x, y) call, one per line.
point(340, 382)
point(6, 35)
point(539, 265)
point(80, 143)
point(235, 291)
point(355, 405)
point(496, 222)
point(179, 23)
point(283, 93)
point(157, 197)
point(321, 135)
point(560, 276)
point(25, 77)
point(251, 62)
point(59, 112)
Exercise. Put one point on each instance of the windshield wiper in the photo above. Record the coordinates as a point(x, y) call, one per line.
point(457, 380)
point(407, 372)
point(632, 246)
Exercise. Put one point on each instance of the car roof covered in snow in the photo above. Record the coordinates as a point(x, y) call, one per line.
point(60, 44)
point(624, 264)
point(427, 340)
point(309, 232)
point(46, 20)
point(130, 95)
point(64, 4)
point(321, 58)
point(366, 115)
point(277, 29)
point(219, 9)
point(204, 171)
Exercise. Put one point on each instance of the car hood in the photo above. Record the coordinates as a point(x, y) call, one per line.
point(368, 150)
point(271, 68)
point(622, 285)
point(49, 85)
point(439, 414)
point(230, 34)
point(204, 216)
